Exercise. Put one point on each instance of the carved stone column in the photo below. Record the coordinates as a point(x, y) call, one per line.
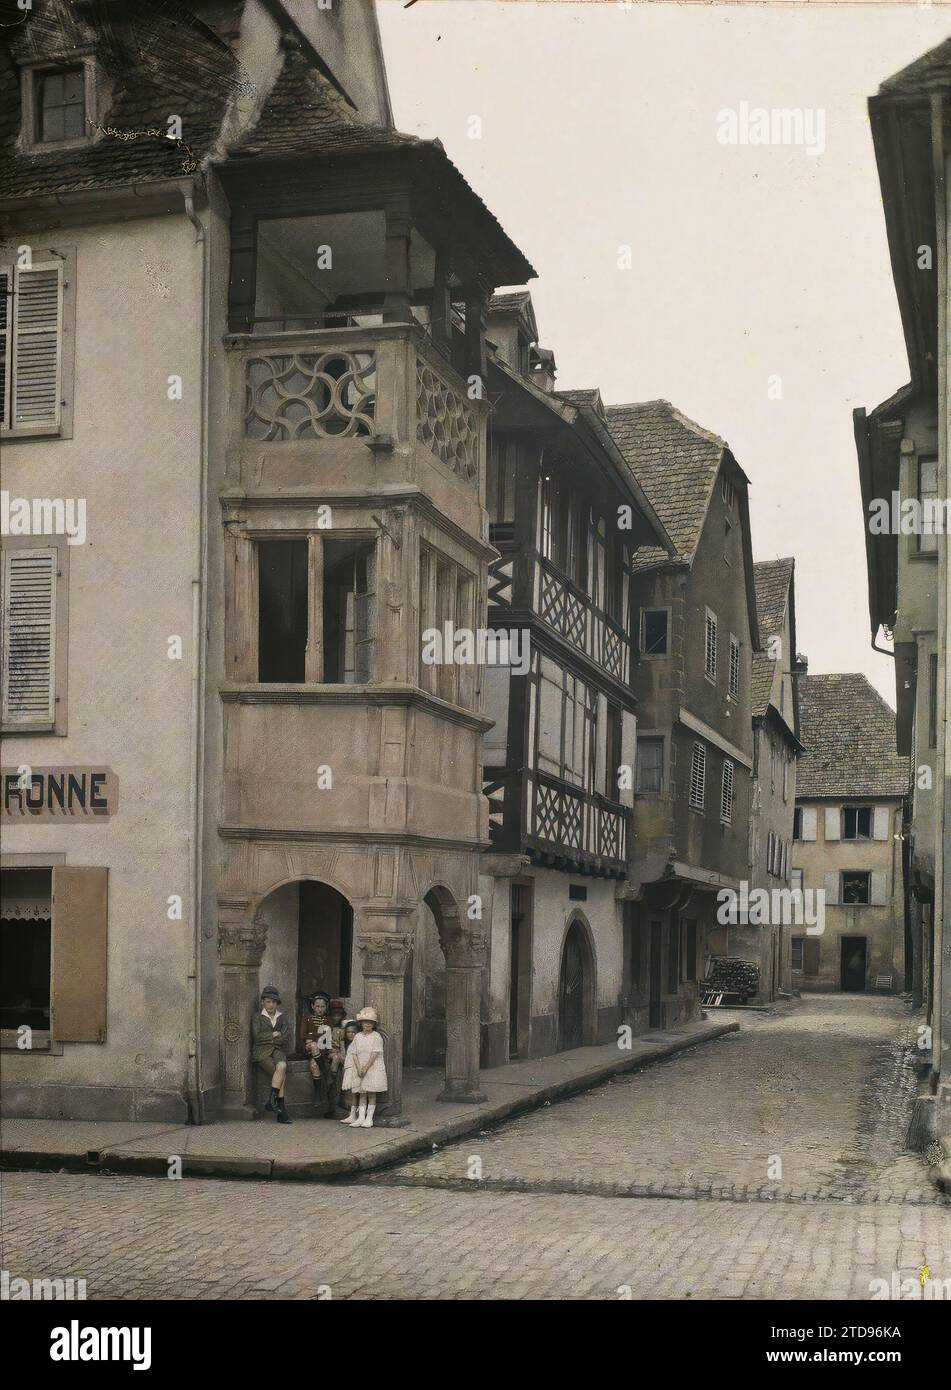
point(240, 950)
point(384, 955)
point(465, 963)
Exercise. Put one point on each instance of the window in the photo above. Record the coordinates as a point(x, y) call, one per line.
point(726, 489)
point(617, 582)
point(710, 655)
point(797, 823)
point(551, 520)
point(734, 667)
point(282, 611)
point(797, 944)
point(349, 611)
point(565, 725)
point(53, 944)
point(33, 580)
point(698, 776)
point(655, 623)
point(60, 105)
point(726, 792)
point(339, 650)
point(35, 366)
point(928, 497)
point(856, 822)
point(856, 887)
point(500, 483)
point(795, 880)
point(650, 766)
point(772, 765)
point(933, 700)
point(447, 595)
point(612, 752)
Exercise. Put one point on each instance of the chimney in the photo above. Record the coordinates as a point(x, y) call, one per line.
point(543, 369)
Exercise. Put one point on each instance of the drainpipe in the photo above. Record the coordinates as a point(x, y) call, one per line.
point(196, 722)
point(942, 967)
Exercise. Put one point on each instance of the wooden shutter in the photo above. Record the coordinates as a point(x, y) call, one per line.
point(810, 955)
point(833, 822)
point(726, 792)
point(880, 820)
point(37, 346)
point(80, 915)
point(29, 636)
point(810, 821)
point(832, 888)
point(698, 776)
point(6, 319)
point(878, 890)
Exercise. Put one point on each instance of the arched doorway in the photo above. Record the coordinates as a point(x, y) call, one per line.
point(576, 1026)
point(309, 944)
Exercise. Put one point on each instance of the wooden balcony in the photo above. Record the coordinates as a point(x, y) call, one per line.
point(563, 826)
point(570, 612)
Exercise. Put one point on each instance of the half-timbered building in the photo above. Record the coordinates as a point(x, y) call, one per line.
point(566, 517)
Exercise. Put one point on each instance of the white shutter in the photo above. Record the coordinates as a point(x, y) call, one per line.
point(833, 822)
point(37, 346)
point(880, 823)
point(628, 753)
point(832, 888)
point(810, 821)
point(601, 771)
point(29, 636)
point(878, 890)
point(6, 318)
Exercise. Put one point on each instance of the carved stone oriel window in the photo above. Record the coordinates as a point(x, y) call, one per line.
point(444, 423)
point(309, 395)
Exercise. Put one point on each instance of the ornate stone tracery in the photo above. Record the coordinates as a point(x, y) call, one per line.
point(445, 423)
point(310, 396)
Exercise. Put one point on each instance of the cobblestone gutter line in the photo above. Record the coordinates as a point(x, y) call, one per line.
point(668, 1192)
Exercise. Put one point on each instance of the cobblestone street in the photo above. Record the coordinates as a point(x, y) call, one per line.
point(825, 1086)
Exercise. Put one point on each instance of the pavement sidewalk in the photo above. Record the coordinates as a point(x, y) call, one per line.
point(318, 1150)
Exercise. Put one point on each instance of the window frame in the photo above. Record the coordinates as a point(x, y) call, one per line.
point(734, 672)
point(29, 142)
point(856, 811)
point(931, 549)
point(698, 759)
point(651, 739)
point(58, 726)
point(727, 792)
point(642, 634)
point(855, 873)
point(710, 647)
point(62, 258)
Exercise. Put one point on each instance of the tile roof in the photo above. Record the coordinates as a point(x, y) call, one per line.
point(931, 71)
point(772, 579)
point(849, 735)
point(591, 397)
point(676, 461)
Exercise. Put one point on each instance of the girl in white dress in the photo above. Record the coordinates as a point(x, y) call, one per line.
point(364, 1071)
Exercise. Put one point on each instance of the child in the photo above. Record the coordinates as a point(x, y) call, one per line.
point(338, 1049)
point(269, 1050)
point(318, 1042)
point(364, 1072)
point(350, 1030)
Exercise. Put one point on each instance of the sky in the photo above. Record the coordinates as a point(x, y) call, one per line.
point(757, 294)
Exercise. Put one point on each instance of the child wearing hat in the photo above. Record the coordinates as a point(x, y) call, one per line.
point(364, 1071)
point(269, 1050)
point(318, 1044)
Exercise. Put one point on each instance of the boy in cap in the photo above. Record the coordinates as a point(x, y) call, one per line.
point(318, 1044)
point(269, 1050)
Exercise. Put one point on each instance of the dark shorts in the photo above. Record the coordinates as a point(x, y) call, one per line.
point(268, 1064)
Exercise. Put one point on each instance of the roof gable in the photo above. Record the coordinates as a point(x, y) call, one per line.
point(849, 736)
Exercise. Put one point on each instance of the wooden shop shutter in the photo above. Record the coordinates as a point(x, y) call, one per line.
point(29, 636)
point(6, 319)
point(810, 955)
point(80, 916)
point(37, 346)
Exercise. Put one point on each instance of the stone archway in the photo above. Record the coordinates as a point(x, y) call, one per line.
point(465, 952)
point(577, 986)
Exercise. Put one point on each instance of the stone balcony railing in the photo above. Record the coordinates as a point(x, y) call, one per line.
point(386, 385)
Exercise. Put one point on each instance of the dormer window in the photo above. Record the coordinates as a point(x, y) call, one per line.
point(60, 105)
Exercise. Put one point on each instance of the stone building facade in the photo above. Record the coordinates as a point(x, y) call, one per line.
point(848, 839)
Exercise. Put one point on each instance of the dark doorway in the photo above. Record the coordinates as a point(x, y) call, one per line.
point(853, 964)
point(657, 937)
point(520, 969)
point(324, 943)
point(571, 997)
